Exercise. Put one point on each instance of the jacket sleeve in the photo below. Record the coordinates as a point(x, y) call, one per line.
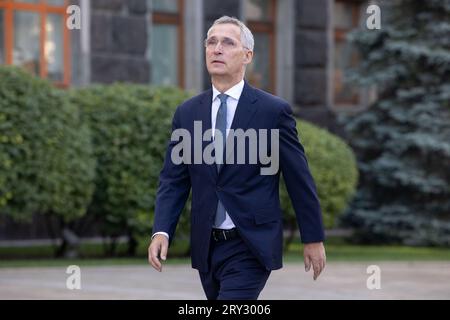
point(299, 181)
point(173, 190)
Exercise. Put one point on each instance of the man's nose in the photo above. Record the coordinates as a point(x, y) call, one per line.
point(218, 48)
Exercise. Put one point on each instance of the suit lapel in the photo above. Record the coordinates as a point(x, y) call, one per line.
point(204, 114)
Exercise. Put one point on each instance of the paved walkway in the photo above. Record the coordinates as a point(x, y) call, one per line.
point(399, 280)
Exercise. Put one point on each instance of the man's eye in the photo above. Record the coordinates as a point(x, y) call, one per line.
point(211, 42)
point(228, 42)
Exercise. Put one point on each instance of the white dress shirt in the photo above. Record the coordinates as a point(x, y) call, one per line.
point(234, 93)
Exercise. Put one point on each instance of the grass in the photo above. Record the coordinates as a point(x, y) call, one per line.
point(92, 254)
point(36, 263)
point(86, 250)
point(345, 252)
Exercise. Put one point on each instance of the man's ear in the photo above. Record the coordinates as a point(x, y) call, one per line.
point(248, 57)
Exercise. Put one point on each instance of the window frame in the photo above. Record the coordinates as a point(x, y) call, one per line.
point(43, 9)
point(268, 27)
point(339, 36)
point(174, 19)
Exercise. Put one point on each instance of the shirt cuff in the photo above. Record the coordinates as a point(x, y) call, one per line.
point(161, 232)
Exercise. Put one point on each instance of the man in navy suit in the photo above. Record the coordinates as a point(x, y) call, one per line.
point(236, 221)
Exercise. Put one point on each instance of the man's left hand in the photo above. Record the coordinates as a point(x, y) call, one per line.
point(314, 253)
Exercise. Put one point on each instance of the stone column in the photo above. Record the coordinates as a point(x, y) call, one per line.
point(119, 36)
point(312, 83)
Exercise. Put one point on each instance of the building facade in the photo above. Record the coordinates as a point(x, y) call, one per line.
point(301, 52)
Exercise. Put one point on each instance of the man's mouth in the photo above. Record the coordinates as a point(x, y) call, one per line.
point(218, 61)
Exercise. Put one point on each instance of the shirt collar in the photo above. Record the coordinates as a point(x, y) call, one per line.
point(234, 92)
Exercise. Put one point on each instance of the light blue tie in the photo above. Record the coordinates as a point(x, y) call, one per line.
point(221, 125)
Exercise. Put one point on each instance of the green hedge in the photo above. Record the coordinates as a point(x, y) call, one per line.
point(130, 125)
point(55, 146)
point(46, 161)
point(334, 169)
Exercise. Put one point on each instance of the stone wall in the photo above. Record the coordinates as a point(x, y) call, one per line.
point(312, 56)
point(119, 35)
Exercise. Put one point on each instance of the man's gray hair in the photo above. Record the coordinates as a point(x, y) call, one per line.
point(246, 35)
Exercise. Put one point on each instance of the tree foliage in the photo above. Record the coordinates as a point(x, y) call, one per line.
point(403, 140)
point(130, 126)
point(46, 158)
point(333, 167)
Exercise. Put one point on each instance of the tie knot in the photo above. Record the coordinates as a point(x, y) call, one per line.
point(223, 97)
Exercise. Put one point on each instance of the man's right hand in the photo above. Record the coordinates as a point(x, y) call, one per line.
point(158, 248)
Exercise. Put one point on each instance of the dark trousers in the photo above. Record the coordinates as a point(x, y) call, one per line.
point(234, 273)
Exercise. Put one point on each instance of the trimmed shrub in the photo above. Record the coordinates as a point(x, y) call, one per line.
point(46, 160)
point(333, 167)
point(130, 125)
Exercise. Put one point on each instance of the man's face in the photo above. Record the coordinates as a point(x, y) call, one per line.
point(225, 54)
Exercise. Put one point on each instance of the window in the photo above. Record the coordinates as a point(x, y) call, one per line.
point(35, 37)
point(166, 43)
point(260, 16)
point(2, 37)
point(346, 18)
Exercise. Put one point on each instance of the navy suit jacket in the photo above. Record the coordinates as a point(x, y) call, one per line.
point(251, 199)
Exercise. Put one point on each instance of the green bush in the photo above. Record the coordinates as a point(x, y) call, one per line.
point(46, 162)
point(130, 125)
point(333, 167)
point(49, 158)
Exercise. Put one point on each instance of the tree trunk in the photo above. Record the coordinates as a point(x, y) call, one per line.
point(187, 253)
point(132, 245)
point(69, 247)
point(61, 250)
point(51, 233)
point(112, 247)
